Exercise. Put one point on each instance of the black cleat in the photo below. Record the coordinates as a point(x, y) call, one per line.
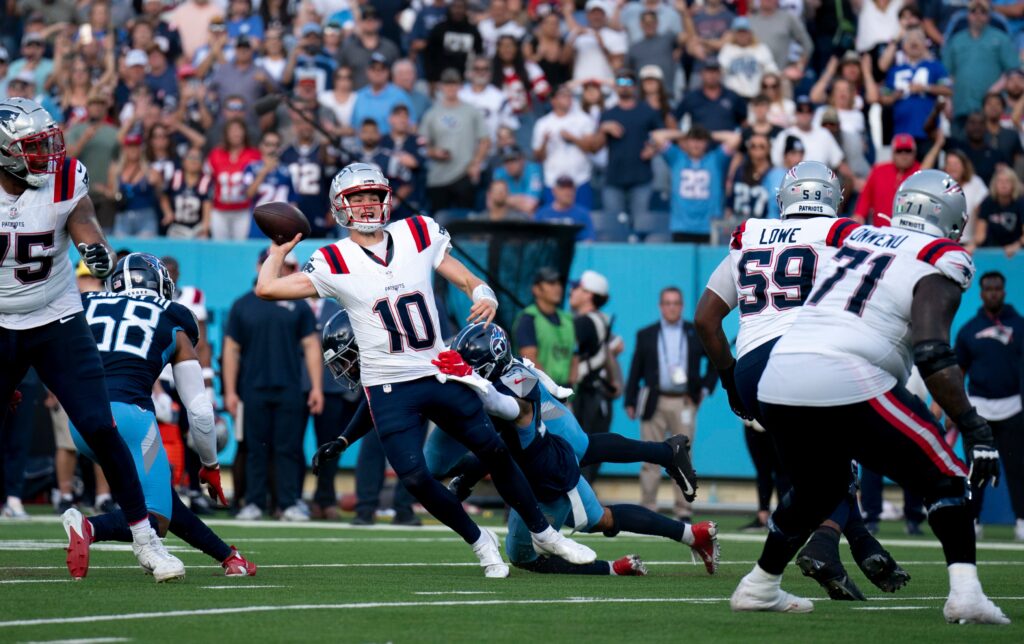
point(682, 471)
point(831, 576)
point(362, 519)
point(884, 572)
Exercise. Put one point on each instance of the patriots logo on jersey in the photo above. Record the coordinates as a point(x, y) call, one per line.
point(308, 268)
point(999, 333)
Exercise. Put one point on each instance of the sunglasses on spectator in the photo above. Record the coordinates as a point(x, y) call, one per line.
point(757, 146)
point(903, 151)
point(624, 81)
point(769, 85)
point(235, 105)
point(978, 9)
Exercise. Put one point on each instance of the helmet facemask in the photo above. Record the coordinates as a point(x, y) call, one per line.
point(39, 154)
point(344, 364)
point(365, 217)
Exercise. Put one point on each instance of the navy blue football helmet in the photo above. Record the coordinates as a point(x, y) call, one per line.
point(341, 353)
point(486, 348)
point(141, 272)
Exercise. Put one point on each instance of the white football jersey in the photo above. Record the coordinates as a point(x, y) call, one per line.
point(389, 300)
point(193, 299)
point(851, 341)
point(37, 284)
point(770, 271)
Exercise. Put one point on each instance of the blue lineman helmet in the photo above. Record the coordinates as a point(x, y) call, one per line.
point(485, 347)
point(341, 353)
point(141, 272)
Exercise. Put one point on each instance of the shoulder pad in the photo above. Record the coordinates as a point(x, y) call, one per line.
point(331, 257)
point(520, 380)
point(950, 259)
point(737, 237)
point(839, 231)
point(187, 319)
point(71, 180)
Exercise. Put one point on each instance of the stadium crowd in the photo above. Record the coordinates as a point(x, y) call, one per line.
point(641, 120)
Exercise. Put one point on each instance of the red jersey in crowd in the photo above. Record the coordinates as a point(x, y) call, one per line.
point(228, 176)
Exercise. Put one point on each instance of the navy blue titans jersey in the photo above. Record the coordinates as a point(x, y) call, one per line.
point(136, 335)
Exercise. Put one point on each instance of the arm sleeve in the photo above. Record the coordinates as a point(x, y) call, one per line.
point(498, 404)
point(187, 321)
point(957, 265)
point(188, 380)
point(722, 283)
point(319, 271)
point(360, 425)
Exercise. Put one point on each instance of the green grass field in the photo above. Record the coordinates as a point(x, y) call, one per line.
point(331, 582)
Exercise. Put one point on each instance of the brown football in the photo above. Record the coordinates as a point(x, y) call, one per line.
point(281, 221)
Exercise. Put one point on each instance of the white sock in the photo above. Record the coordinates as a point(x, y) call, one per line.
point(67, 497)
point(547, 535)
point(482, 540)
point(963, 577)
point(611, 570)
point(102, 498)
point(688, 534)
point(141, 531)
point(758, 575)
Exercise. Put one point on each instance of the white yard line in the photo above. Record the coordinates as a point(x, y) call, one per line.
point(456, 592)
point(892, 608)
point(34, 581)
point(90, 640)
point(236, 587)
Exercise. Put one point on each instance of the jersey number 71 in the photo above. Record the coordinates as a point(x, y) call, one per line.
point(849, 259)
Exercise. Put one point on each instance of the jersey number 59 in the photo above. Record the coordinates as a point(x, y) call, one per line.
point(783, 279)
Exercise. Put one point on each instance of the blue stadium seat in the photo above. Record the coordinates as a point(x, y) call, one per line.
point(650, 223)
point(610, 228)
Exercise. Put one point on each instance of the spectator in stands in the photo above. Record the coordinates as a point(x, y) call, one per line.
point(273, 56)
point(241, 21)
point(403, 75)
point(565, 209)
point(498, 24)
point(521, 81)
point(655, 94)
point(984, 157)
point(488, 97)
point(544, 333)
point(713, 106)
point(1004, 139)
point(625, 130)
point(913, 85)
point(667, 359)
point(240, 77)
point(277, 13)
point(153, 15)
point(226, 163)
point(855, 168)
point(358, 48)
point(976, 57)
point(711, 24)
point(365, 147)
point(759, 120)
point(1001, 216)
point(559, 143)
point(599, 49)
point(94, 142)
point(341, 101)
point(133, 182)
point(989, 349)
point(750, 191)
point(819, 145)
point(630, 16)
point(498, 207)
point(431, 13)
point(308, 60)
point(24, 86)
point(133, 77)
point(783, 32)
point(548, 49)
point(599, 377)
point(874, 205)
point(853, 69)
point(457, 146)
point(191, 19)
point(33, 59)
point(450, 43)
point(655, 46)
point(261, 333)
point(161, 152)
point(781, 109)
point(745, 60)
point(266, 179)
point(404, 161)
point(522, 177)
point(376, 100)
point(878, 25)
point(161, 77)
point(698, 180)
point(187, 200)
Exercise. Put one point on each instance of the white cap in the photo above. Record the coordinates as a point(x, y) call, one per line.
point(597, 4)
point(136, 57)
point(594, 282)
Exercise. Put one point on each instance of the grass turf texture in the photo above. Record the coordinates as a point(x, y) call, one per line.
point(342, 584)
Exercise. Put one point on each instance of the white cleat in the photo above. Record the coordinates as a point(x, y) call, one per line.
point(295, 513)
point(759, 591)
point(13, 509)
point(552, 542)
point(154, 559)
point(1018, 530)
point(488, 551)
point(972, 607)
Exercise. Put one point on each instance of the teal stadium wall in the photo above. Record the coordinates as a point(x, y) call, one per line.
point(636, 273)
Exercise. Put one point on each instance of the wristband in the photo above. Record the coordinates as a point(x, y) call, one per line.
point(208, 373)
point(484, 292)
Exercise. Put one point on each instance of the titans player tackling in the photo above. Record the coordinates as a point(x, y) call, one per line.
point(382, 275)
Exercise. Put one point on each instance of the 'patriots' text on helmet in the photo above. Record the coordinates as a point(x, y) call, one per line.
point(341, 353)
point(930, 202)
point(810, 188)
point(485, 347)
point(355, 178)
point(31, 142)
point(141, 272)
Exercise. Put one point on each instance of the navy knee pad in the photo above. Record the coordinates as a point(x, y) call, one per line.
point(416, 478)
point(950, 492)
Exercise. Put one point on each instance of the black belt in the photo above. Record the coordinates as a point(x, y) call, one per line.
point(669, 394)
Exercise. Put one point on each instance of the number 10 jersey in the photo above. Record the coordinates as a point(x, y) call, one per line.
point(770, 271)
point(389, 298)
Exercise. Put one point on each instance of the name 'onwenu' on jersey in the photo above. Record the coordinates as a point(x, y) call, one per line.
point(852, 340)
point(37, 284)
point(770, 271)
point(137, 334)
point(389, 297)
